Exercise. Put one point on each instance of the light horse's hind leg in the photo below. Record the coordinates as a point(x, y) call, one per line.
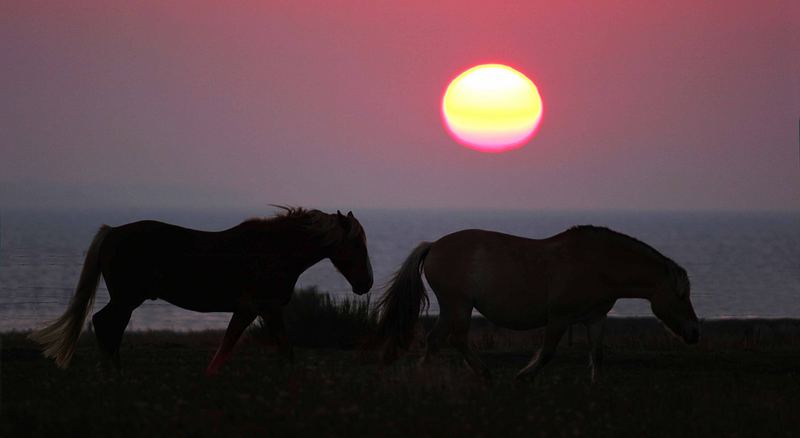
point(239, 322)
point(595, 330)
point(459, 338)
point(552, 334)
point(434, 339)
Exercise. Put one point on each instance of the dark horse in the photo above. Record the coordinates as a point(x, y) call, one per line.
point(250, 270)
point(518, 283)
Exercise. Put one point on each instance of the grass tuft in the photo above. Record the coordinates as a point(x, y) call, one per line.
point(315, 320)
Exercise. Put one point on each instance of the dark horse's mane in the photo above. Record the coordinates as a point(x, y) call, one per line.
point(287, 211)
point(675, 269)
point(287, 215)
point(319, 224)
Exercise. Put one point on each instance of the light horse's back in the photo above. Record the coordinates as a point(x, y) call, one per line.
point(499, 274)
point(519, 283)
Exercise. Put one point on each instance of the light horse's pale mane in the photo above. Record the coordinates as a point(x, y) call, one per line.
point(678, 275)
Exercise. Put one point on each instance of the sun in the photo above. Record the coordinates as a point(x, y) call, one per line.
point(492, 108)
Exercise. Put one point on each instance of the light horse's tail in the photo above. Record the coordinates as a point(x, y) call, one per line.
point(58, 339)
point(400, 306)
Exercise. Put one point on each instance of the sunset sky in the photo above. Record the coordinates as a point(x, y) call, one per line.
point(647, 105)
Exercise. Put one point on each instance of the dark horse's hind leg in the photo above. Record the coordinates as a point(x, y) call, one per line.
point(594, 330)
point(109, 325)
point(273, 318)
point(552, 334)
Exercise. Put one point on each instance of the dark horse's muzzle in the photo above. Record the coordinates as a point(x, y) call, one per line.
point(692, 333)
point(365, 284)
point(362, 289)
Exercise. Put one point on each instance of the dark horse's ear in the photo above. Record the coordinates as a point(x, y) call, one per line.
point(350, 215)
point(343, 220)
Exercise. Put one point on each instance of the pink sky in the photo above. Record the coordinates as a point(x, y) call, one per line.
point(648, 105)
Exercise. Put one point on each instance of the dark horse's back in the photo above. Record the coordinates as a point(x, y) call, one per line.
point(249, 270)
point(197, 270)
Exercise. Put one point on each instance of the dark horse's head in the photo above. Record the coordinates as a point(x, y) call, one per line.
point(671, 304)
point(349, 254)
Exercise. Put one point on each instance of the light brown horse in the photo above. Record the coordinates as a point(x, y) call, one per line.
point(518, 283)
point(249, 270)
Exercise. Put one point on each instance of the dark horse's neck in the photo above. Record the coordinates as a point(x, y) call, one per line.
point(288, 242)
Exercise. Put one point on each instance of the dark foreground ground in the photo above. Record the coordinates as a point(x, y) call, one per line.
point(742, 380)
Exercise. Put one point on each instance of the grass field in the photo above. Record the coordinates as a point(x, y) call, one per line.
point(743, 379)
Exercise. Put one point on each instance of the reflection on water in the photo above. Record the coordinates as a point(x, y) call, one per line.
point(740, 264)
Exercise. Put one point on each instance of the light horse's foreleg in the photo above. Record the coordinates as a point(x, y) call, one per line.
point(552, 335)
point(239, 322)
point(595, 331)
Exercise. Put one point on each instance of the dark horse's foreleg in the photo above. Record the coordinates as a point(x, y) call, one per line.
point(109, 324)
point(273, 318)
point(239, 322)
point(552, 334)
point(595, 331)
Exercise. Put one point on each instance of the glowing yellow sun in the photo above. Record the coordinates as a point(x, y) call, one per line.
point(492, 108)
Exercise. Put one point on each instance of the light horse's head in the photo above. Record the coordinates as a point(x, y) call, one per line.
point(349, 254)
point(671, 304)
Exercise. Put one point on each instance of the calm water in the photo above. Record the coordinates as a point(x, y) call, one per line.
point(741, 264)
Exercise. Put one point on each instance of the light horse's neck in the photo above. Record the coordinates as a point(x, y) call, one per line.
point(643, 290)
point(635, 269)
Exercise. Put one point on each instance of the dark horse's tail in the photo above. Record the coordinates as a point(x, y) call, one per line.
point(58, 339)
point(400, 306)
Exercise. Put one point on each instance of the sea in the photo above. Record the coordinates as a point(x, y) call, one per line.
point(741, 264)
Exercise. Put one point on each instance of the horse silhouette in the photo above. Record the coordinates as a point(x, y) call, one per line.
point(573, 277)
point(250, 270)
